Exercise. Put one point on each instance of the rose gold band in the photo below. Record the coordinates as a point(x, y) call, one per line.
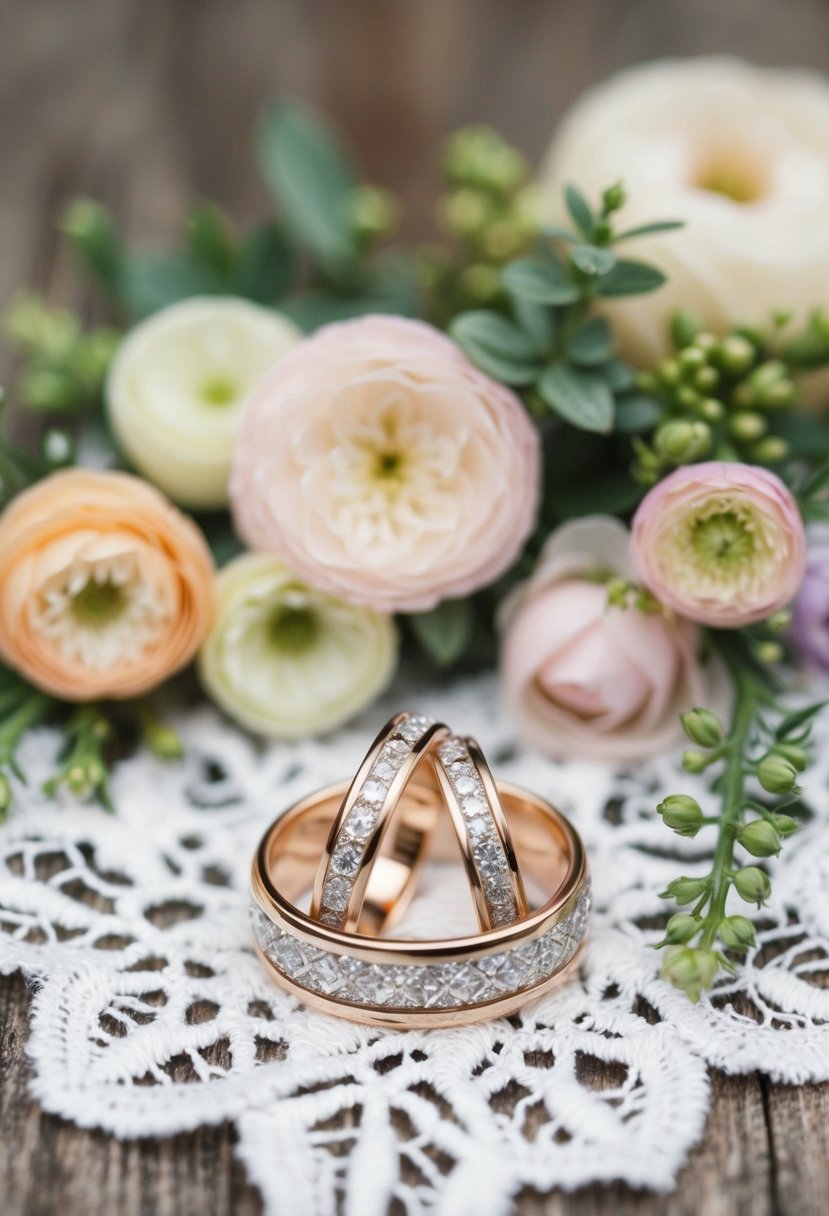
point(415, 982)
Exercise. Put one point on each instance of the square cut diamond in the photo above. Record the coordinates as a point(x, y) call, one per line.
point(336, 893)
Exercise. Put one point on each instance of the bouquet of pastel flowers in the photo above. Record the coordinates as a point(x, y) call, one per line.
point(571, 437)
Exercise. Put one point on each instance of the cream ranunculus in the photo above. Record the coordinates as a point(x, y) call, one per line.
point(178, 385)
point(286, 660)
point(741, 154)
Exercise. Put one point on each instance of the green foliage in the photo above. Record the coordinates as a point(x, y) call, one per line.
point(446, 632)
point(552, 341)
point(63, 366)
point(760, 754)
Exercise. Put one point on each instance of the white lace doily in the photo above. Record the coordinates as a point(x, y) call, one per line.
point(135, 928)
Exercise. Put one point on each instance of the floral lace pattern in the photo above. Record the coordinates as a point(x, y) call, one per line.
point(135, 928)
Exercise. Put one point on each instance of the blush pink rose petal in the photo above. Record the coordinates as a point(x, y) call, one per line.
point(382, 466)
point(721, 543)
point(584, 679)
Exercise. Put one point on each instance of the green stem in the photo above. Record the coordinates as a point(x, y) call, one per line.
point(13, 728)
point(733, 797)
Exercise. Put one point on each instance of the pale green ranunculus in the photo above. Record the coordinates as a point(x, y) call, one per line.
point(286, 660)
point(179, 383)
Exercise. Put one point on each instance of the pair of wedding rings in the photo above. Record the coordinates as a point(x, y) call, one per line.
point(357, 848)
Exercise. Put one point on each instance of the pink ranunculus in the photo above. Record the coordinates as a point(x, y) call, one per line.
point(721, 543)
point(381, 466)
point(586, 679)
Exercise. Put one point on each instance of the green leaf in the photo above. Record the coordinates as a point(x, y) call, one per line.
point(592, 260)
point(89, 227)
point(591, 342)
point(151, 281)
point(538, 321)
point(614, 493)
point(637, 414)
point(580, 211)
point(313, 184)
point(446, 632)
point(266, 266)
point(580, 397)
point(798, 718)
point(210, 239)
point(556, 232)
point(619, 376)
point(649, 230)
point(806, 434)
point(630, 279)
point(818, 481)
point(543, 282)
point(498, 346)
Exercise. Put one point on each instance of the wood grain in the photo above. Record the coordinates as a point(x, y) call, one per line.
point(147, 104)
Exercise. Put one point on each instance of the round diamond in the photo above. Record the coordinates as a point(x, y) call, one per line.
point(374, 792)
point(478, 828)
point(475, 806)
point(336, 893)
point(361, 820)
point(346, 858)
point(453, 750)
point(466, 784)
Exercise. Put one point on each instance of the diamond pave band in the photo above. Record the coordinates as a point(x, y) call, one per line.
point(348, 965)
point(435, 986)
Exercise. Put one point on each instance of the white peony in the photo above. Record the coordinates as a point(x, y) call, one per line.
point(285, 660)
point(741, 154)
point(179, 383)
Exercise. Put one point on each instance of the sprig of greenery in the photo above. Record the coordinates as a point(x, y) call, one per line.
point(728, 398)
point(553, 346)
point(21, 708)
point(315, 260)
point(757, 763)
point(19, 467)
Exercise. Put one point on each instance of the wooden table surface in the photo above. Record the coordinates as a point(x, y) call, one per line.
point(147, 104)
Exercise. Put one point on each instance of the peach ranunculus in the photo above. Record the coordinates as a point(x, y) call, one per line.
point(105, 588)
point(722, 543)
point(587, 679)
point(741, 154)
point(381, 466)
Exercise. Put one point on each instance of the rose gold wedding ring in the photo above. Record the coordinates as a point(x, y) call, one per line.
point(332, 956)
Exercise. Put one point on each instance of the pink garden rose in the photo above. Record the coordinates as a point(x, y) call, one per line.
point(721, 543)
point(381, 466)
point(586, 679)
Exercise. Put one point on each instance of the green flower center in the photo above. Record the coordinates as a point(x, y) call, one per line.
point(723, 540)
point(388, 466)
point(98, 604)
point(219, 390)
point(293, 629)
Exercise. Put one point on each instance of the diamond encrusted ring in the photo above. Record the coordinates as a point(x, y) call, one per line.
point(350, 854)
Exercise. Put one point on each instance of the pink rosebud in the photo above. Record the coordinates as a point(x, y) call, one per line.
point(721, 543)
point(380, 465)
point(584, 678)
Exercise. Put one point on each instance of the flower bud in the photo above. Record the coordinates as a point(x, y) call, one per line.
point(778, 622)
point(694, 762)
point(752, 884)
point(681, 441)
point(162, 740)
point(776, 774)
point(373, 211)
point(613, 198)
point(684, 328)
point(681, 928)
point(737, 932)
point(480, 283)
point(706, 379)
point(691, 359)
point(668, 371)
point(770, 450)
point(760, 838)
point(769, 652)
point(712, 410)
point(747, 425)
point(685, 890)
point(5, 796)
point(465, 213)
point(702, 727)
point(690, 969)
point(734, 354)
point(786, 825)
point(682, 813)
point(764, 385)
point(687, 397)
point(796, 755)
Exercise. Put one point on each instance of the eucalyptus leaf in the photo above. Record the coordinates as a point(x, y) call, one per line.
point(580, 211)
point(150, 281)
point(630, 279)
point(543, 282)
point(210, 239)
point(445, 633)
point(538, 321)
point(637, 414)
point(582, 398)
point(619, 376)
point(592, 260)
point(265, 267)
point(556, 232)
point(591, 342)
point(649, 230)
point(498, 346)
point(313, 184)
